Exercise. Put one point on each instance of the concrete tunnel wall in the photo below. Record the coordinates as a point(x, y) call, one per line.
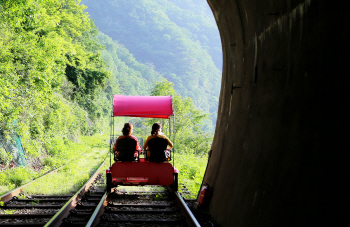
point(279, 155)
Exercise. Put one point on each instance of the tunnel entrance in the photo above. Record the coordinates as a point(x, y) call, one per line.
point(278, 154)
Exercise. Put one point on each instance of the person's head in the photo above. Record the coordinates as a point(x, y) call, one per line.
point(127, 130)
point(156, 128)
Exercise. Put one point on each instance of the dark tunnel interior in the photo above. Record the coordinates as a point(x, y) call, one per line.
point(279, 154)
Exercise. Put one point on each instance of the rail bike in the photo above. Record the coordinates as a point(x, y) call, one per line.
point(128, 167)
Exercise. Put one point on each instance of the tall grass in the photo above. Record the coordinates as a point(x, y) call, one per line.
point(80, 160)
point(191, 171)
point(72, 177)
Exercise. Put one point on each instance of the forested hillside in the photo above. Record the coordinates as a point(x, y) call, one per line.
point(52, 73)
point(177, 38)
point(130, 76)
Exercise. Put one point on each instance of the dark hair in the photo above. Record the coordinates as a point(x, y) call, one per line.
point(127, 129)
point(155, 127)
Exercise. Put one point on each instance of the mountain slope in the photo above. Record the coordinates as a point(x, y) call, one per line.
point(173, 36)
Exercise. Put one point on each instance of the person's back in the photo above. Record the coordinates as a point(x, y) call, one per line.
point(156, 144)
point(126, 146)
point(126, 149)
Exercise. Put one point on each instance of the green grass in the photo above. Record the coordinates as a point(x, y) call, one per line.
point(191, 171)
point(22, 197)
point(76, 173)
point(15, 177)
point(7, 211)
point(80, 160)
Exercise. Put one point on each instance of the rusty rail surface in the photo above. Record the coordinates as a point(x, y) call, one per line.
point(190, 218)
point(64, 211)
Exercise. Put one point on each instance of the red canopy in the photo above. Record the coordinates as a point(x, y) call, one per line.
point(143, 106)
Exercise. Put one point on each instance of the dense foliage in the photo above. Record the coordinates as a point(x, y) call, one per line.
point(51, 72)
point(188, 121)
point(177, 38)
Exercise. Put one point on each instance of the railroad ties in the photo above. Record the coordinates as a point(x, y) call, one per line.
point(31, 210)
point(86, 204)
point(150, 205)
point(80, 215)
point(17, 209)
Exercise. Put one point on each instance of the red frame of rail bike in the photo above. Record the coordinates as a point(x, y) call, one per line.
point(142, 172)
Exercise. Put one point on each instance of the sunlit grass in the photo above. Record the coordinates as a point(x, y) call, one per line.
point(191, 171)
point(7, 211)
point(13, 178)
point(4, 189)
point(73, 176)
point(80, 160)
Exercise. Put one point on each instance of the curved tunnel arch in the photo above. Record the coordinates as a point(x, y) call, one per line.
point(279, 151)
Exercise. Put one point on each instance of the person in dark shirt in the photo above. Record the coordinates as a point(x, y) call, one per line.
point(127, 133)
point(156, 133)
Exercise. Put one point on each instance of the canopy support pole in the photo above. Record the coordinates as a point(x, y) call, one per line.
point(111, 135)
point(173, 140)
point(169, 127)
point(110, 142)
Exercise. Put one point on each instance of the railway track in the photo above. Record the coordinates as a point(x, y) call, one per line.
point(92, 206)
point(80, 214)
point(17, 209)
point(31, 210)
point(146, 206)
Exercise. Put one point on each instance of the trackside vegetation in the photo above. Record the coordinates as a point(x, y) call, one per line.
point(52, 73)
point(76, 172)
point(80, 160)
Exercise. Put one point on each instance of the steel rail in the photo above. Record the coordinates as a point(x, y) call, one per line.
point(95, 217)
point(8, 196)
point(190, 218)
point(56, 220)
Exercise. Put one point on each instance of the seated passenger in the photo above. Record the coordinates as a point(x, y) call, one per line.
point(156, 144)
point(127, 146)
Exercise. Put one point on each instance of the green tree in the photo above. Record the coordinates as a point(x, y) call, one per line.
point(188, 133)
point(52, 74)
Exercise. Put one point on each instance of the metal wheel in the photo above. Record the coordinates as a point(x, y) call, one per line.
point(176, 182)
point(109, 182)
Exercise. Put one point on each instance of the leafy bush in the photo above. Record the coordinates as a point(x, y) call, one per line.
point(2, 178)
point(55, 146)
point(20, 176)
point(5, 157)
